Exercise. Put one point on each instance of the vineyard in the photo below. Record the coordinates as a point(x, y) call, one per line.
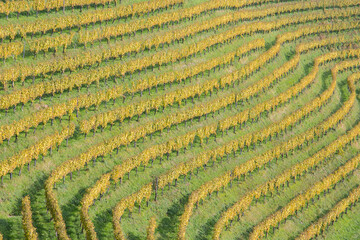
point(179, 119)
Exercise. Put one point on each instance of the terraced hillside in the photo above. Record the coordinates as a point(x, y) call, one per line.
point(179, 119)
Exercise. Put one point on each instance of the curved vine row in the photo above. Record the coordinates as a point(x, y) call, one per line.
point(29, 229)
point(40, 148)
point(340, 208)
point(300, 200)
point(269, 186)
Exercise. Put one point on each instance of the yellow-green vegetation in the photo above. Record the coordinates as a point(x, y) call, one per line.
point(179, 119)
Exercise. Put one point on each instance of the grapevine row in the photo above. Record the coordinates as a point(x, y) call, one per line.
point(11, 49)
point(29, 229)
point(33, 152)
point(51, 42)
point(19, 6)
point(151, 229)
point(128, 203)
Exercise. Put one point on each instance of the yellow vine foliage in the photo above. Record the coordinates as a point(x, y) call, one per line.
point(40, 148)
point(11, 49)
point(128, 203)
point(29, 229)
point(50, 42)
point(151, 229)
point(19, 6)
point(100, 188)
